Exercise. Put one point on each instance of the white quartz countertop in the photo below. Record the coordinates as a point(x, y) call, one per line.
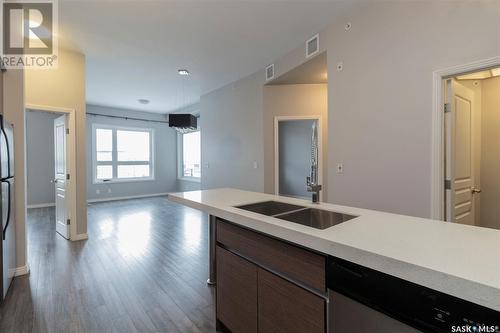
point(458, 260)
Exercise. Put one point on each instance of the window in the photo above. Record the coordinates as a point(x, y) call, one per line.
point(121, 154)
point(190, 156)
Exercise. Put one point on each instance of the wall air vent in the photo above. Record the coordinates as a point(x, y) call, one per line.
point(270, 72)
point(312, 46)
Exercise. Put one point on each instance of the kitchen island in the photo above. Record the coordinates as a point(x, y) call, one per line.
point(457, 260)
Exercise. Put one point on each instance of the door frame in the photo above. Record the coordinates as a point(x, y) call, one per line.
point(70, 159)
point(438, 129)
point(277, 120)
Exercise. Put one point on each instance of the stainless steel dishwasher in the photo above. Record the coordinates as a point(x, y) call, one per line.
point(363, 300)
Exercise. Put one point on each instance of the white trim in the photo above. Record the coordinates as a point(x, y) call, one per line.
point(179, 155)
point(71, 158)
point(269, 78)
point(180, 161)
point(277, 119)
point(42, 205)
point(437, 167)
point(23, 270)
point(124, 180)
point(190, 179)
point(48, 108)
point(128, 197)
point(309, 55)
point(114, 163)
point(81, 237)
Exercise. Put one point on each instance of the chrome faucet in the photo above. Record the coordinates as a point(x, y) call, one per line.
point(315, 189)
point(312, 180)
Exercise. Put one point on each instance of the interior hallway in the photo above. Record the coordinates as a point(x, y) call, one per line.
point(143, 269)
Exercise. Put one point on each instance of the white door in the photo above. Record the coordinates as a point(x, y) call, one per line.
point(60, 177)
point(459, 154)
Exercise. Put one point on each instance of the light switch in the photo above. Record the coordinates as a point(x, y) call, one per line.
point(340, 168)
point(255, 165)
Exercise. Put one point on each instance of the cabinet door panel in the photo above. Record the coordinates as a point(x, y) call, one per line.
point(284, 307)
point(236, 292)
point(295, 263)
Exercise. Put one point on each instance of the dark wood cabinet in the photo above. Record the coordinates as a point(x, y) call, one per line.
point(285, 307)
point(267, 285)
point(296, 263)
point(236, 292)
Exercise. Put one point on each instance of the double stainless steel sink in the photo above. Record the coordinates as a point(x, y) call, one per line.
point(311, 217)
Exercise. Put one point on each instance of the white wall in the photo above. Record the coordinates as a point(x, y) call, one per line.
point(379, 106)
point(293, 100)
point(186, 185)
point(381, 103)
point(13, 110)
point(165, 153)
point(64, 87)
point(490, 153)
point(232, 135)
point(40, 157)
point(182, 184)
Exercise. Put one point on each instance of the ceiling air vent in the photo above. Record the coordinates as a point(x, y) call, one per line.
point(312, 46)
point(270, 72)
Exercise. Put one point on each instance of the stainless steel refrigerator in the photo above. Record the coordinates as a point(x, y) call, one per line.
point(8, 235)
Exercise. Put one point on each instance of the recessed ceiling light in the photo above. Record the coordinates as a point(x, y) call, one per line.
point(143, 101)
point(183, 72)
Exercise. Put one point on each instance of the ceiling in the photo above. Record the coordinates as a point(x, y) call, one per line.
point(134, 48)
point(313, 71)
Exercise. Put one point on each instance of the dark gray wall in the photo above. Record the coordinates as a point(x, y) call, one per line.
point(165, 140)
point(294, 156)
point(40, 157)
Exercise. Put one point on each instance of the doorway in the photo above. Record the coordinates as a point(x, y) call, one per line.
point(471, 156)
point(40, 158)
point(50, 155)
point(292, 101)
point(293, 146)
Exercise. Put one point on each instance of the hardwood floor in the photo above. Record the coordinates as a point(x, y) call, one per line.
point(143, 269)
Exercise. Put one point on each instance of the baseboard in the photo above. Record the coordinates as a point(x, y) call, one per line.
point(128, 197)
point(80, 237)
point(23, 270)
point(43, 205)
